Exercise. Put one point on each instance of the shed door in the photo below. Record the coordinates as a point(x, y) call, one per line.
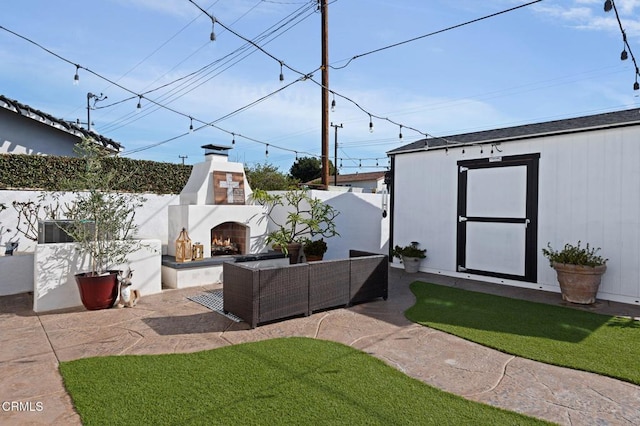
point(498, 217)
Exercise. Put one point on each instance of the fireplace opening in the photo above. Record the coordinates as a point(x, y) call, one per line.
point(228, 238)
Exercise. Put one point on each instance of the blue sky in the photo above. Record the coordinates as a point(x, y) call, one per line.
point(550, 60)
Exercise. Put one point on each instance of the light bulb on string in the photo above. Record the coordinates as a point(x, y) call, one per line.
point(139, 106)
point(370, 124)
point(266, 152)
point(623, 54)
point(212, 36)
point(76, 77)
point(608, 5)
point(191, 125)
point(296, 155)
point(333, 103)
point(377, 162)
point(636, 86)
point(360, 165)
point(281, 75)
point(400, 135)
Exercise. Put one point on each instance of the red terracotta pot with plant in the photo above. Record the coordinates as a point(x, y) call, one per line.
point(102, 226)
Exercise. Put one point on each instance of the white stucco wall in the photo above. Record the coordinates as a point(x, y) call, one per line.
point(151, 219)
point(589, 190)
point(360, 222)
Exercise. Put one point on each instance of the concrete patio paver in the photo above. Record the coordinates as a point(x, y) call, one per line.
point(31, 346)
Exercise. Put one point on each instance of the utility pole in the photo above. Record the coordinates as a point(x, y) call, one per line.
point(325, 92)
point(335, 156)
point(183, 157)
point(96, 98)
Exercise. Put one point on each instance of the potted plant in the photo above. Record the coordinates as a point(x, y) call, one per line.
point(102, 225)
point(305, 217)
point(410, 255)
point(314, 250)
point(579, 271)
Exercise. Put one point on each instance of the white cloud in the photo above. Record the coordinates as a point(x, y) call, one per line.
point(590, 15)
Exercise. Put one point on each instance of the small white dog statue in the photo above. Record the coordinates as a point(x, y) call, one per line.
point(128, 297)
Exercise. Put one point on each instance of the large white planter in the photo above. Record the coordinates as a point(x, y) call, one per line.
point(411, 264)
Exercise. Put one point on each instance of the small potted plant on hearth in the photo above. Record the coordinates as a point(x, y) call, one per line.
point(314, 250)
point(410, 255)
point(579, 271)
point(102, 225)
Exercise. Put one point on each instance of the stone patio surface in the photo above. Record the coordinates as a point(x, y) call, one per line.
point(31, 346)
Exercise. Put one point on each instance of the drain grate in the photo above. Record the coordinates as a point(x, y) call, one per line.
point(213, 300)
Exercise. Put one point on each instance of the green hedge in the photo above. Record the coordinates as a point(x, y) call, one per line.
point(45, 173)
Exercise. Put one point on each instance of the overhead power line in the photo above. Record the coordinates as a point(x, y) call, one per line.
point(411, 40)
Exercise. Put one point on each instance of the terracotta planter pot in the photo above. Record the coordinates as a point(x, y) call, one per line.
point(313, 257)
point(294, 251)
point(98, 292)
point(579, 284)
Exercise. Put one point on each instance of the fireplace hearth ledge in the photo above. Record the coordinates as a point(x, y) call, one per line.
point(209, 270)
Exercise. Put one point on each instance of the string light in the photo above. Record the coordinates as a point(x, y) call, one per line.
point(333, 103)
point(400, 135)
point(191, 125)
point(212, 37)
point(266, 152)
point(76, 77)
point(626, 48)
point(308, 76)
point(233, 141)
point(281, 74)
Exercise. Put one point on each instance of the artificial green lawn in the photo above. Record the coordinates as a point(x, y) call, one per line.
point(273, 382)
point(551, 334)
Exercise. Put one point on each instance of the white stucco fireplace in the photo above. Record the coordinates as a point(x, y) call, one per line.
point(214, 208)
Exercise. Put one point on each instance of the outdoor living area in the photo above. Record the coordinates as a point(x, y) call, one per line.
point(32, 346)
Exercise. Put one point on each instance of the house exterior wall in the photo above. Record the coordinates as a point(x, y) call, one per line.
point(23, 135)
point(589, 190)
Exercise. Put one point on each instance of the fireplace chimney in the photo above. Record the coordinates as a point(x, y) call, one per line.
point(216, 152)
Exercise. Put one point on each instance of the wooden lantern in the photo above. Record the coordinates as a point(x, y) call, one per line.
point(183, 247)
point(197, 252)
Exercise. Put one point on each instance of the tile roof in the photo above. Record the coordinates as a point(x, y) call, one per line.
point(571, 125)
point(65, 126)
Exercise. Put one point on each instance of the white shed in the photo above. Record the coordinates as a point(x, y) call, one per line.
point(484, 204)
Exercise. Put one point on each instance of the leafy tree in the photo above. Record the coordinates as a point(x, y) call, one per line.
point(307, 169)
point(267, 177)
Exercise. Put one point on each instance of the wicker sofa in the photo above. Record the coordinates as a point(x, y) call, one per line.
point(264, 294)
